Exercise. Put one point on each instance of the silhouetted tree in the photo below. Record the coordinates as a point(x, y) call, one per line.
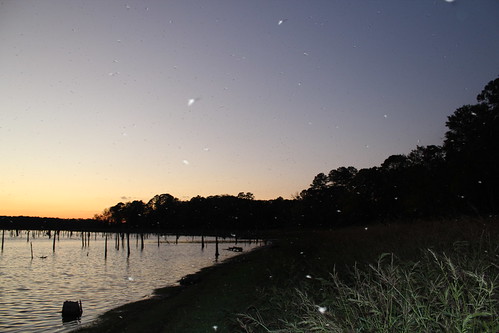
point(134, 214)
point(471, 130)
point(474, 129)
point(472, 150)
point(116, 213)
point(162, 210)
point(490, 95)
point(395, 162)
point(342, 176)
point(428, 157)
point(247, 195)
point(320, 182)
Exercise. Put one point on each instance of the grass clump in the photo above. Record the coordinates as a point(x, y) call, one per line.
point(440, 292)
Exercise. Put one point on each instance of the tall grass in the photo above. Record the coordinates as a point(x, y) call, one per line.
point(451, 290)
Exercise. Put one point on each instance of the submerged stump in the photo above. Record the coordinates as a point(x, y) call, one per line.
point(71, 310)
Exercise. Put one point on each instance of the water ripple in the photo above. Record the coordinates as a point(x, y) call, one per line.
point(32, 290)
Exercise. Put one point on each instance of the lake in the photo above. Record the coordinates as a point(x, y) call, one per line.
point(35, 280)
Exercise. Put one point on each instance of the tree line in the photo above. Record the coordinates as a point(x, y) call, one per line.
point(48, 223)
point(459, 177)
point(205, 214)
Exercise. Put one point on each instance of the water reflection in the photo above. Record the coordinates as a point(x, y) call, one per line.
point(39, 270)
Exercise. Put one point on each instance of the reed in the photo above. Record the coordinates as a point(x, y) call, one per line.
point(453, 289)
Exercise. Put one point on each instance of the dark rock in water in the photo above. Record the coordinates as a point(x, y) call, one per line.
point(71, 310)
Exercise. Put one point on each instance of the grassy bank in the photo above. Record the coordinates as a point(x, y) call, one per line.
point(294, 285)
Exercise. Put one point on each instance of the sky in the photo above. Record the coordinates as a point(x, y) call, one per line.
point(109, 101)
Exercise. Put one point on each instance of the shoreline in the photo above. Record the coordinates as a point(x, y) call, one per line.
point(164, 309)
point(222, 294)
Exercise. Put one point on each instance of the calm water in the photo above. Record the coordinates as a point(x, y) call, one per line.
point(32, 291)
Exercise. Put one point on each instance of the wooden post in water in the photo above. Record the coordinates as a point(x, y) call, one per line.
point(3, 238)
point(216, 248)
point(141, 241)
point(31, 244)
point(202, 242)
point(27, 239)
point(105, 248)
point(53, 243)
point(158, 239)
point(82, 240)
point(128, 244)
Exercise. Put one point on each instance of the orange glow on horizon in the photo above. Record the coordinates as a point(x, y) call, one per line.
point(82, 207)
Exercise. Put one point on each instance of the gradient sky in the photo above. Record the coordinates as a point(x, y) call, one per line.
point(108, 101)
